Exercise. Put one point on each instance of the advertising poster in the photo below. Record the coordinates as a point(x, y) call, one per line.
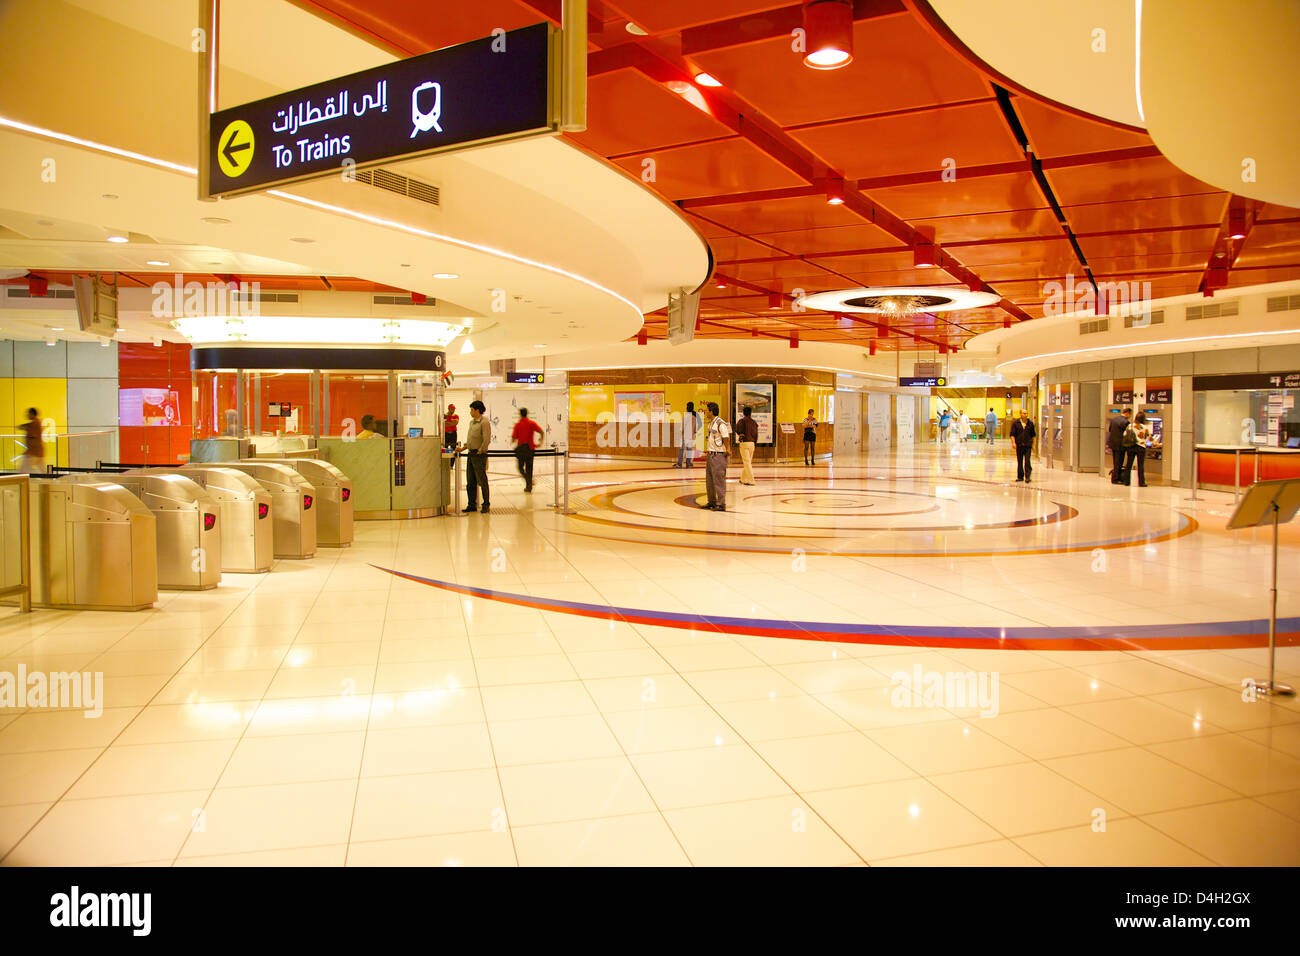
point(761, 398)
point(148, 406)
point(644, 406)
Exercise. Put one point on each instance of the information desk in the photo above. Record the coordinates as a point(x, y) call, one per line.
point(1215, 465)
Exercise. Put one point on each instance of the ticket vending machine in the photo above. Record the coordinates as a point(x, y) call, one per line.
point(1154, 465)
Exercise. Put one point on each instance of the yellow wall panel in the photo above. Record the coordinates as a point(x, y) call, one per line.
point(49, 396)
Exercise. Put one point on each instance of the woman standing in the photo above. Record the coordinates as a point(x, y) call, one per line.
point(810, 438)
point(1138, 452)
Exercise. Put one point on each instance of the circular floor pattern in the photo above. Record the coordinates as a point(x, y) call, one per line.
point(870, 517)
point(1210, 634)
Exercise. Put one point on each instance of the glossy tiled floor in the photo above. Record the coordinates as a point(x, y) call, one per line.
point(332, 713)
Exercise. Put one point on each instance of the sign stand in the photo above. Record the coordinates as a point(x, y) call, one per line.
point(1269, 502)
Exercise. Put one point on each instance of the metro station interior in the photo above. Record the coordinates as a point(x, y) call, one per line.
point(1004, 574)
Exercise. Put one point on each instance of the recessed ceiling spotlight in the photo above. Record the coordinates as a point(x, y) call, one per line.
point(405, 265)
point(56, 328)
point(635, 30)
point(157, 342)
point(118, 239)
point(108, 196)
point(300, 239)
point(828, 28)
point(214, 263)
point(539, 346)
point(446, 275)
point(216, 221)
point(156, 262)
point(44, 222)
point(707, 79)
point(51, 343)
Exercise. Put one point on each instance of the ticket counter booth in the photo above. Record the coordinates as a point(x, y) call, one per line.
point(363, 411)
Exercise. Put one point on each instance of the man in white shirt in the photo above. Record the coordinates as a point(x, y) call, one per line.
point(715, 475)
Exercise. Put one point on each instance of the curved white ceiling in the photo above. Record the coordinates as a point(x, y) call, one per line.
point(549, 244)
point(1219, 91)
point(1054, 48)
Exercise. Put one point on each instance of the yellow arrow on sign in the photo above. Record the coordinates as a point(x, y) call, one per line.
point(235, 149)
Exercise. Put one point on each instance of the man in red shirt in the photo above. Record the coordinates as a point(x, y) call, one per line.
point(525, 445)
point(450, 421)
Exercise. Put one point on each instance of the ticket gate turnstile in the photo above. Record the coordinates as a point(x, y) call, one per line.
point(93, 547)
point(333, 500)
point(188, 531)
point(245, 509)
point(293, 512)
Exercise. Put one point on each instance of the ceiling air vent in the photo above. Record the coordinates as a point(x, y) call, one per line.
point(402, 185)
point(1136, 321)
point(401, 300)
point(266, 296)
point(1284, 303)
point(1216, 310)
point(15, 293)
point(1093, 326)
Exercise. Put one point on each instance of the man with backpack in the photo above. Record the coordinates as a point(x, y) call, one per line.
point(715, 474)
point(1116, 427)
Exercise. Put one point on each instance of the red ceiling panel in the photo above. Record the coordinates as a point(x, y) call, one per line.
point(662, 16)
point(995, 225)
point(967, 135)
point(836, 239)
point(728, 166)
point(1129, 179)
point(965, 196)
point(729, 247)
point(899, 66)
point(1046, 257)
point(1260, 276)
point(1269, 246)
point(773, 216)
point(1054, 132)
point(627, 111)
point(1148, 243)
point(1203, 209)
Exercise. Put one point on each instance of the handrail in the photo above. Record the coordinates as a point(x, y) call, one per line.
point(24, 588)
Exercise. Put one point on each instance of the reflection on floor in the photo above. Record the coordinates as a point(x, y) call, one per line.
point(331, 712)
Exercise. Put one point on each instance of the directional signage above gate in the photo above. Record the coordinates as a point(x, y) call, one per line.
point(497, 88)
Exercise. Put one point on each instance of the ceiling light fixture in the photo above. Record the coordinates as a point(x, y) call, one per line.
point(923, 252)
point(118, 239)
point(635, 30)
point(1237, 223)
point(835, 191)
point(156, 262)
point(720, 284)
point(897, 300)
point(108, 196)
point(302, 239)
point(774, 302)
point(216, 221)
point(468, 347)
point(446, 275)
point(828, 34)
point(51, 343)
point(707, 79)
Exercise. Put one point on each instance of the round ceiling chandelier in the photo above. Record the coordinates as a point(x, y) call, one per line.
point(897, 300)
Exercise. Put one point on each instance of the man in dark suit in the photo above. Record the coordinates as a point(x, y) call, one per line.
point(1023, 434)
point(1115, 442)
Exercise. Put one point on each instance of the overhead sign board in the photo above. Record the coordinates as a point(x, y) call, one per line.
point(496, 88)
point(915, 381)
point(525, 378)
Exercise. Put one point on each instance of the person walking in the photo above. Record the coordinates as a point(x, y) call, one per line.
point(747, 435)
point(1137, 451)
point(963, 428)
point(1115, 428)
point(990, 425)
point(945, 419)
point(1023, 434)
point(477, 438)
point(810, 438)
point(686, 452)
point(715, 476)
point(525, 447)
point(33, 460)
point(450, 422)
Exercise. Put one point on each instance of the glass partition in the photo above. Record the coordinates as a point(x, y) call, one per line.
point(1263, 417)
